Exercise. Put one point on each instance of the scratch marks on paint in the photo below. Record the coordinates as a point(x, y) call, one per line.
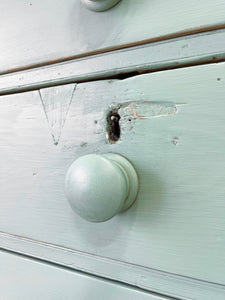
point(56, 102)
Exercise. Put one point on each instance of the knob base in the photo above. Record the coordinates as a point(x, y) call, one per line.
point(131, 175)
point(99, 5)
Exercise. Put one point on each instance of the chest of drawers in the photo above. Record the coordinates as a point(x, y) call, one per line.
point(170, 127)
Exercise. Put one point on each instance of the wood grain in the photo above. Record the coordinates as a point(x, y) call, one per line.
point(44, 31)
point(177, 146)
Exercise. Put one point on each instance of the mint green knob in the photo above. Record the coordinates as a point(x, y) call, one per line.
point(99, 5)
point(100, 186)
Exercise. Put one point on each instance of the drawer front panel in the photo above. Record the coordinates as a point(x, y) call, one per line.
point(43, 31)
point(172, 130)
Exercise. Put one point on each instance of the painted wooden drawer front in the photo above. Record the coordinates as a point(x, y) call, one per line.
point(172, 130)
point(39, 31)
point(24, 279)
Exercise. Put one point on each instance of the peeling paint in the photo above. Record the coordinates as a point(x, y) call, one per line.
point(175, 141)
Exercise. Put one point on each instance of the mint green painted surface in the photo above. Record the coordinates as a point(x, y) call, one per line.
point(40, 31)
point(172, 130)
point(24, 279)
point(100, 186)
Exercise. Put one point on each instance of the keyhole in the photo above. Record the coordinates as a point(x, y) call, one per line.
point(113, 126)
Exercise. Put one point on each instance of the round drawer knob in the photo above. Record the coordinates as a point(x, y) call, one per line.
point(99, 5)
point(100, 186)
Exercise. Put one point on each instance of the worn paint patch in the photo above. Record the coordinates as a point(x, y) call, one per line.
point(146, 109)
point(56, 102)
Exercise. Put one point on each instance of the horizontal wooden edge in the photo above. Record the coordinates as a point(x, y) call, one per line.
point(180, 52)
point(183, 33)
point(172, 285)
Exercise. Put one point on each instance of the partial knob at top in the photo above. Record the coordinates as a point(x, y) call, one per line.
point(100, 186)
point(99, 5)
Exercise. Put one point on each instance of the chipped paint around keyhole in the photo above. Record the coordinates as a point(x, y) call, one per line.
point(123, 116)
